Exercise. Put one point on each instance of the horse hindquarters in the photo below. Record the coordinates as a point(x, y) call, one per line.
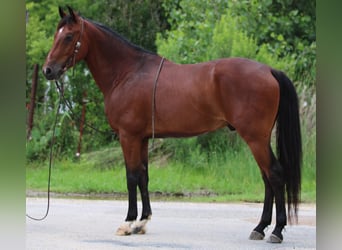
point(252, 109)
point(283, 173)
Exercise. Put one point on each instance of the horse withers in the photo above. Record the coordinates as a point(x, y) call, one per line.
point(146, 96)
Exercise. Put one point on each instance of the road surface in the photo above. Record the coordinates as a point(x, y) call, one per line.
point(91, 224)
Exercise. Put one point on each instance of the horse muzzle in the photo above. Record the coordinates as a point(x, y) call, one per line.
point(53, 72)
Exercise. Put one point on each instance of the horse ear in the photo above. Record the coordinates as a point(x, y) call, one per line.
point(61, 12)
point(72, 14)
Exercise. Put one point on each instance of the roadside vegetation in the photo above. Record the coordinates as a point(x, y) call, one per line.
point(214, 167)
point(179, 170)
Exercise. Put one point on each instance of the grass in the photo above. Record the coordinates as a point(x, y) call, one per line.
point(231, 177)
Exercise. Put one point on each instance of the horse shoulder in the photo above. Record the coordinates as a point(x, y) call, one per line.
point(129, 101)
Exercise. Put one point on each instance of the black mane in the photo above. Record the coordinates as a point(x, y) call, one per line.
point(118, 36)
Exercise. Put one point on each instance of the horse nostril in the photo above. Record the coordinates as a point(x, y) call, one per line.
point(47, 71)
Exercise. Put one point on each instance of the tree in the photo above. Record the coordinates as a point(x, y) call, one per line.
point(280, 33)
point(286, 27)
point(137, 20)
point(191, 26)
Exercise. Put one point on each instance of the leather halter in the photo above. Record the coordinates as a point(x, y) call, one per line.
point(72, 59)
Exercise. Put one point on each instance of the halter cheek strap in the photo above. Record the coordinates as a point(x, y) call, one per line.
point(77, 46)
point(78, 43)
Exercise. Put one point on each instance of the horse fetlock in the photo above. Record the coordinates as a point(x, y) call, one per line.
point(139, 227)
point(146, 217)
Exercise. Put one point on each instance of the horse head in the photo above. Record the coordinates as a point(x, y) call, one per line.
point(68, 47)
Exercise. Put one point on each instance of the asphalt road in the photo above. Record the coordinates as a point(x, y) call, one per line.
point(91, 224)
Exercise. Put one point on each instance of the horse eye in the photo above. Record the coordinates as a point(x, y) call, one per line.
point(68, 37)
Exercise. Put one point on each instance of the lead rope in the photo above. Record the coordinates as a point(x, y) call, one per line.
point(154, 101)
point(50, 161)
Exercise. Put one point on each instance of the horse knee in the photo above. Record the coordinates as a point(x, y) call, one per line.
point(132, 180)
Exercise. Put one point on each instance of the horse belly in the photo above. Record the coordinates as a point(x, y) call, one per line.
point(188, 116)
point(187, 125)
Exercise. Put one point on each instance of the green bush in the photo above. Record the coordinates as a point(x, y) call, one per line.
point(230, 41)
point(65, 136)
point(190, 33)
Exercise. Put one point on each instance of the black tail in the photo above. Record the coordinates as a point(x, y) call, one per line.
point(289, 142)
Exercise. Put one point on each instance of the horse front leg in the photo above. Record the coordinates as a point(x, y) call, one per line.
point(132, 181)
point(136, 175)
point(132, 155)
point(140, 226)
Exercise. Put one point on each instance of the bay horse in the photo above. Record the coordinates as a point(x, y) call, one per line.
point(189, 100)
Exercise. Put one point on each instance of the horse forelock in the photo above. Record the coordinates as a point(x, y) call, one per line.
point(64, 21)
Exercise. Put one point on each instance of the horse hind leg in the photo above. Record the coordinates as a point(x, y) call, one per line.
point(273, 177)
point(266, 217)
point(277, 181)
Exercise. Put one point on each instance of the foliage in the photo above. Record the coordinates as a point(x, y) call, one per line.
point(278, 33)
point(230, 41)
point(287, 28)
point(226, 177)
point(38, 147)
point(137, 20)
point(191, 28)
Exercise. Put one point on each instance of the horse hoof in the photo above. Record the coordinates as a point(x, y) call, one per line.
point(125, 229)
point(255, 235)
point(139, 227)
point(274, 239)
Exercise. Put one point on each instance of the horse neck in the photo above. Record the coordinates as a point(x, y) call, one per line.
point(109, 59)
